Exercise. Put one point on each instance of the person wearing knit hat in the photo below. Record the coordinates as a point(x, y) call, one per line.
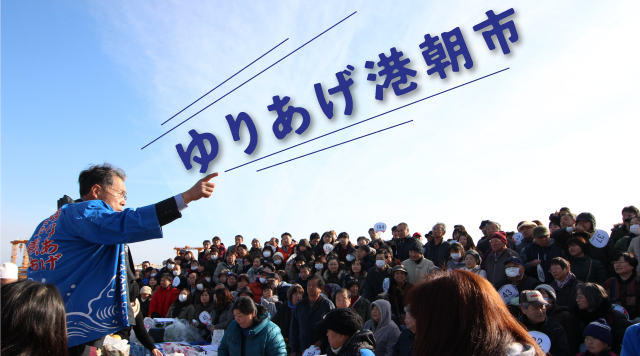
point(145, 300)
point(597, 338)
point(494, 264)
point(472, 261)
point(417, 266)
point(343, 327)
point(8, 273)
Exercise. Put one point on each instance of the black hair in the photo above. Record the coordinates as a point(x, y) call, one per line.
point(316, 278)
point(384, 251)
point(101, 174)
point(630, 209)
point(594, 293)
point(343, 235)
point(394, 228)
point(285, 234)
point(33, 319)
point(247, 306)
point(314, 236)
point(629, 257)
point(559, 261)
point(268, 285)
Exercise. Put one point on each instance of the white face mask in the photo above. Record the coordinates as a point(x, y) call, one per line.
point(208, 279)
point(214, 257)
point(513, 271)
point(193, 268)
point(380, 263)
point(635, 229)
point(170, 265)
point(319, 266)
point(455, 256)
point(263, 280)
point(153, 274)
point(175, 273)
point(351, 258)
point(200, 287)
point(182, 297)
point(277, 262)
point(266, 254)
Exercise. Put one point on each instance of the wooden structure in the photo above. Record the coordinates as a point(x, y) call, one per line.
point(189, 248)
point(20, 245)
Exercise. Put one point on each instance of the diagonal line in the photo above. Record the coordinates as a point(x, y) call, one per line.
point(341, 143)
point(247, 81)
point(373, 117)
point(223, 82)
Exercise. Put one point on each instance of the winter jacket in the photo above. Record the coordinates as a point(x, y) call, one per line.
point(397, 296)
point(605, 254)
point(363, 307)
point(616, 320)
point(210, 266)
point(518, 349)
point(495, 266)
point(476, 270)
point(186, 313)
point(619, 232)
point(256, 289)
point(404, 345)
point(271, 304)
point(544, 254)
point(264, 338)
point(162, 300)
point(525, 243)
point(631, 344)
point(360, 344)
point(236, 268)
point(303, 331)
point(253, 273)
point(634, 247)
point(452, 264)
point(484, 245)
point(342, 254)
point(566, 296)
point(438, 254)
point(286, 252)
point(385, 332)
point(417, 271)
point(587, 269)
point(333, 278)
point(282, 318)
point(623, 244)
point(362, 279)
point(368, 262)
point(222, 318)
point(222, 252)
point(572, 326)
point(525, 283)
point(403, 246)
point(555, 332)
point(375, 278)
point(144, 307)
point(255, 252)
point(625, 293)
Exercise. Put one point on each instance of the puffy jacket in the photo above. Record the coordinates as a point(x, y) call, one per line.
point(555, 332)
point(303, 324)
point(373, 286)
point(223, 317)
point(256, 289)
point(438, 254)
point(264, 338)
point(417, 271)
point(342, 254)
point(605, 254)
point(545, 254)
point(162, 300)
point(187, 312)
point(333, 278)
point(587, 269)
point(495, 267)
point(236, 268)
point(616, 320)
point(286, 252)
point(362, 280)
point(403, 246)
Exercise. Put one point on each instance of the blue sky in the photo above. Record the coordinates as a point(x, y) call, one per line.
point(88, 82)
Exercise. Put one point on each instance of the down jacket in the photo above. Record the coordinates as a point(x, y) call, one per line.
point(264, 338)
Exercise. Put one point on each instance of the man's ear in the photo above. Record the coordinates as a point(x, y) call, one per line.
point(94, 191)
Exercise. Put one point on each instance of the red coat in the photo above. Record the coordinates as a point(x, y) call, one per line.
point(286, 253)
point(162, 300)
point(256, 289)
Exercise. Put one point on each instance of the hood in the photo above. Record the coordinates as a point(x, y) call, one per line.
point(517, 349)
point(384, 308)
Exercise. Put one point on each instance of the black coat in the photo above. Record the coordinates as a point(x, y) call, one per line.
point(555, 332)
point(404, 345)
point(363, 339)
point(605, 254)
point(616, 320)
point(283, 319)
point(438, 254)
point(302, 332)
point(373, 285)
point(566, 296)
point(572, 326)
point(403, 246)
point(545, 254)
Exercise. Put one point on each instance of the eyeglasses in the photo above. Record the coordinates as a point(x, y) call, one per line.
point(121, 194)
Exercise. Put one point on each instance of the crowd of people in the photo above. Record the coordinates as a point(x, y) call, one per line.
point(559, 288)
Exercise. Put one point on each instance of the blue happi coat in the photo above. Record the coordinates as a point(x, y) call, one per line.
point(80, 249)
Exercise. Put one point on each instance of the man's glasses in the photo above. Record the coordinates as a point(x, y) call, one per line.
point(121, 194)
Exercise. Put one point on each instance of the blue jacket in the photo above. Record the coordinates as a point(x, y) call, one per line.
point(263, 339)
point(303, 324)
point(631, 343)
point(80, 249)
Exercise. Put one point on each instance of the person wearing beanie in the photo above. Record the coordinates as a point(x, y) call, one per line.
point(561, 314)
point(598, 339)
point(343, 327)
point(472, 261)
point(586, 222)
point(417, 266)
point(534, 318)
point(8, 273)
point(540, 253)
point(584, 267)
point(145, 300)
point(494, 264)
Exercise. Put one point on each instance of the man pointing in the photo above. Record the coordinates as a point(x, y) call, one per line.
point(81, 249)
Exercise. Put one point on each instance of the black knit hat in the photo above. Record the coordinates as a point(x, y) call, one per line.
point(344, 321)
point(417, 247)
point(587, 217)
point(600, 330)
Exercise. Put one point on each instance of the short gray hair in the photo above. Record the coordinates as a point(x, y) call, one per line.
point(444, 226)
point(494, 223)
point(101, 174)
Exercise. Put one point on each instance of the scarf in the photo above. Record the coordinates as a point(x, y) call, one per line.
point(569, 278)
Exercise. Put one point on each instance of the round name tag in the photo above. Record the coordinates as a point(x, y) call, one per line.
point(327, 248)
point(621, 309)
point(543, 340)
point(540, 273)
point(600, 239)
point(176, 281)
point(204, 317)
point(518, 237)
point(380, 227)
point(385, 285)
point(508, 292)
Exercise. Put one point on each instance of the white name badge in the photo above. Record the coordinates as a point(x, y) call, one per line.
point(380, 227)
point(540, 273)
point(600, 239)
point(205, 317)
point(508, 292)
point(621, 309)
point(327, 248)
point(385, 285)
point(518, 237)
point(543, 340)
point(176, 281)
